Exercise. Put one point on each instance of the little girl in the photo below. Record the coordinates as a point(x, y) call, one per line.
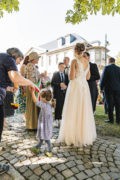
point(45, 120)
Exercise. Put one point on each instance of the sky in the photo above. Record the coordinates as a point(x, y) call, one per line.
point(39, 22)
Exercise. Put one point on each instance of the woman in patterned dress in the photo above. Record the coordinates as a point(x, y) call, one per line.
point(32, 74)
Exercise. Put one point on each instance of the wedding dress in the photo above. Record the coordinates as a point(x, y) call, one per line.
point(78, 125)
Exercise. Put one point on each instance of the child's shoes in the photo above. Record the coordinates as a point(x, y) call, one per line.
point(48, 154)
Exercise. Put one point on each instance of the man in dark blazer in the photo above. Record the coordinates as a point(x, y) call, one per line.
point(92, 82)
point(110, 83)
point(59, 84)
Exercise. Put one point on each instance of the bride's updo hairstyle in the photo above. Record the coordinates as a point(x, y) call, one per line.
point(79, 48)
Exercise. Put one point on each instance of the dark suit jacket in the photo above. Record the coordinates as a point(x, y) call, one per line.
point(94, 76)
point(55, 83)
point(110, 79)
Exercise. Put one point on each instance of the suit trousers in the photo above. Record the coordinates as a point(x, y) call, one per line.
point(1, 119)
point(113, 101)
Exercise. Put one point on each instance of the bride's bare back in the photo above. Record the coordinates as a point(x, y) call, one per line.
point(75, 67)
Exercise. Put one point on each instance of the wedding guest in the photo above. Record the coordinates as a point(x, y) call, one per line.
point(21, 96)
point(8, 73)
point(32, 74)
point(59, 84)
point(45, 80)
point(92, 82)
point(45, 121)
point(110, 83)
point(66, 62)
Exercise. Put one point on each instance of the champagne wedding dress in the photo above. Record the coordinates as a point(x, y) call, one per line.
point(78, 125)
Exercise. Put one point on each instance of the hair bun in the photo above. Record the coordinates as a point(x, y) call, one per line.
point(79, 48)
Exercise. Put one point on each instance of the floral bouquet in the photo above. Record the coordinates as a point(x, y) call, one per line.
point(14, 105)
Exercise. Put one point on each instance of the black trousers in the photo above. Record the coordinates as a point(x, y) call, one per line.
point(113, 101)
point(1, 119)
point(59, 105)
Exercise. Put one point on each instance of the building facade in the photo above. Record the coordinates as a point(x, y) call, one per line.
point(53, 52)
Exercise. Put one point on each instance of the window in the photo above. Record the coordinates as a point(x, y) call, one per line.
point(57, 58)
point(49, 60)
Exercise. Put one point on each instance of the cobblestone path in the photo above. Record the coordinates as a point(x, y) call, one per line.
point(98, 162)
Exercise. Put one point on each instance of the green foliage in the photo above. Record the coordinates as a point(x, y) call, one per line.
point(8, 6)
point(83, 8)
point(103, 128)
point(118, 59)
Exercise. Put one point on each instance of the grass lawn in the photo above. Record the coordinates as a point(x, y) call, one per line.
point(104, 128)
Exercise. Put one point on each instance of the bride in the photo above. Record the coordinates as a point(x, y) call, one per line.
point(78, 125)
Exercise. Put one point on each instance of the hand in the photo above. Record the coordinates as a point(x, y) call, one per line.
point(62, 85)
point(9, 88)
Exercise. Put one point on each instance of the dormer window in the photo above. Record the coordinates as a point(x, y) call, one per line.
point(61, 41)
point(69, 39)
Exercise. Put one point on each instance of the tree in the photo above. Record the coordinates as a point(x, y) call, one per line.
point(9, 6)
point(83, 8)
point(118, 59)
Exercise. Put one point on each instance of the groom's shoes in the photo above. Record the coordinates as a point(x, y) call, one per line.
point(109, 121)
point(57, 123)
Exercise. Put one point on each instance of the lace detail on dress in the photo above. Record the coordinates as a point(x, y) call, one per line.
point(80, 72)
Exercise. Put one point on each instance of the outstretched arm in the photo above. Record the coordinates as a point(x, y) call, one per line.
point(18, 79)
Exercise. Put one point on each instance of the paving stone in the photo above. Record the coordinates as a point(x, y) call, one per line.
point(59, 176)
point(96, 170)
point(67, 173)
point(70, 164)
point(53, 178)
point(105, 176)
point(33, 166)
point(61, 167)
point(75, 170)
point(111, 164)
point(71, 178)
point(13, 161)
point(114, 175)
point(88, 165)
point(81, 176)
point(97, 177)
point(28, 173)
point(89, 172)
point(79, 162)
point(1, 158)
point(46, 175)
point(80, 167)
point(53, 171)
point(104, 169)
point(110, 159)
point(38, 171)
point(46, 167)
point(6, 177)
point(113, 169)
point(23, 169)
point(34, 177)
point(71, 158)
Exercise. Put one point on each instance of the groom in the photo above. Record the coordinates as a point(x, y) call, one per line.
point(92, 81)
point(59, 84)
